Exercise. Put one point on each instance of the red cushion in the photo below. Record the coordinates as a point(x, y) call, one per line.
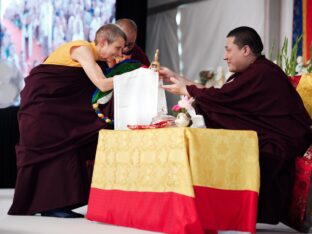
point(301, 205)
point(294, 80)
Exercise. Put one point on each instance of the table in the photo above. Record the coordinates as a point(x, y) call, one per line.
point(176, 180)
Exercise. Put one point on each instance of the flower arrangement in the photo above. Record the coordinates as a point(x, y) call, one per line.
point(187, 116)
point(184, 110)
point(209, 78)
point(205, 76)
point(292, 64)
point(184, 105)
point(302, 68)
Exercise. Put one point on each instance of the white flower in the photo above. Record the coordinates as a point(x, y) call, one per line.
point(186, 102)
point(299, 60)
point(298, 68)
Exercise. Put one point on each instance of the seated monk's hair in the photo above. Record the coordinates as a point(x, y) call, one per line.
point(110, 32)
point(128, 23)
point(247, 36)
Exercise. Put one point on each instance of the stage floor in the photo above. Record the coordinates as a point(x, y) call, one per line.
point(46, 225)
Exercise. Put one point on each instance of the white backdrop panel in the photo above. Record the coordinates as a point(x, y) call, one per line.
point(205, 26)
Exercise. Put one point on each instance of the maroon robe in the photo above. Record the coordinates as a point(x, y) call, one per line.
point(262, 99)
point(58, 135)
point(138, 54)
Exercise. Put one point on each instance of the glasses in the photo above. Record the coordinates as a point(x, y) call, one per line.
point(129, 44)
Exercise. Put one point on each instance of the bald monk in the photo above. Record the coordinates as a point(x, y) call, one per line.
point(131, 49)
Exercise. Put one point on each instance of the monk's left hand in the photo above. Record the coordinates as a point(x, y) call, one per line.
point(177, 87)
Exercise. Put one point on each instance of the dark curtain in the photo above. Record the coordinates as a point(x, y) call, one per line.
point(9, 135)
point(137, 11)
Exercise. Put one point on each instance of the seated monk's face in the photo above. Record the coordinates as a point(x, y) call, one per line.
point(131, 36)
point(238, 59)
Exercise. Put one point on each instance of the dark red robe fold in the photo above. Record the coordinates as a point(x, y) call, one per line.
point(139, 55)
point(262, 99)
point(58, 134)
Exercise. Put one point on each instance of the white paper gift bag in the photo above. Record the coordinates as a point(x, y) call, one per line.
point(137, 98)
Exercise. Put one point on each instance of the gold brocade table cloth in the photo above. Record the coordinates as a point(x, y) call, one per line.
point(304, 89)
point(176, 180)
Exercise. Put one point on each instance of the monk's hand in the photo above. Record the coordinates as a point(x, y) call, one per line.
point(165, 74)
point(177, 87)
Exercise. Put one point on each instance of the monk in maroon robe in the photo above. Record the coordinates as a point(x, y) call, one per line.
point(259, 97)
point(132, 50)
point(138, 54)
point(58, 126)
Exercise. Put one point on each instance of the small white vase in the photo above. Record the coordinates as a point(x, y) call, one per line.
point(182, 120)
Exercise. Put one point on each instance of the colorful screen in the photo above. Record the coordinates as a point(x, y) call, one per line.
point(31, 29)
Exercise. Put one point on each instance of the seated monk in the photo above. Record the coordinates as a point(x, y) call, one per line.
point(131, 49)
point(259, 97)
point(58, 127)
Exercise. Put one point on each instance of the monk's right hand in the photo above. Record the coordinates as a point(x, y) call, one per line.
point(177, 87)
point(165, 74)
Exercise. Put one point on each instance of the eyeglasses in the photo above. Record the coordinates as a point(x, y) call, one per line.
point(129, 44)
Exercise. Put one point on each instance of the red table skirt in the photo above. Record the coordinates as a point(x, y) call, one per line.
point(210, 210)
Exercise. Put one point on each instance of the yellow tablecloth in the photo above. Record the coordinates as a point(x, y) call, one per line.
point(176, 180)
point(304, 89)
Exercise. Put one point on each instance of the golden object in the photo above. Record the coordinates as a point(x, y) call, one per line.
point(155, 66)
point(304, 89)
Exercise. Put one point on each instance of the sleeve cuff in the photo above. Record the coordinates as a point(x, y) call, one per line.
point(193, 91)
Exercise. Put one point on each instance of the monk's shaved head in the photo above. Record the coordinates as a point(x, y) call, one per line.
point(109, 32)
point(130, 29)
point(247, 36)
point(127, 25)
